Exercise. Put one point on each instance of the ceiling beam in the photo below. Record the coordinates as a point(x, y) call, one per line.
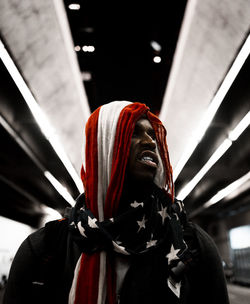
point(210, 39)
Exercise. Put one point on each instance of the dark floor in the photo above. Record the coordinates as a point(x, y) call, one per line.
point(238, 294)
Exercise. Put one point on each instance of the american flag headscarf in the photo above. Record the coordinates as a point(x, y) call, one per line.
point(108, 134)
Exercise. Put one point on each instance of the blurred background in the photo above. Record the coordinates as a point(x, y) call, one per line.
point(187, 60)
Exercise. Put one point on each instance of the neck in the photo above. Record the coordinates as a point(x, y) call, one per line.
point(134, 191)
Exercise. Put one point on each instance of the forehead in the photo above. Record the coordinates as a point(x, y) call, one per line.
point(143, 123)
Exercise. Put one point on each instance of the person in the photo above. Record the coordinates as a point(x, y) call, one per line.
point(127, 239)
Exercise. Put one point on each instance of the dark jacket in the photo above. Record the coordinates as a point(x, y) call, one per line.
point(43, 268)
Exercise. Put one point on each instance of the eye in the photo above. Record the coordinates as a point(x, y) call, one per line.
point(151, 133)
point(136, 132)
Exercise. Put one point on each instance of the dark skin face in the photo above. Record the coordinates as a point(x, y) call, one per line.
point(142, 162)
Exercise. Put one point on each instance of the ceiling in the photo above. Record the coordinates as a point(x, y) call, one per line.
point(121, 67)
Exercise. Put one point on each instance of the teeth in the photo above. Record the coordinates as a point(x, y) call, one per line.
point(146, 158)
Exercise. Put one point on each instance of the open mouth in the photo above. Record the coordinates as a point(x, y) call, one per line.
point(149, 158)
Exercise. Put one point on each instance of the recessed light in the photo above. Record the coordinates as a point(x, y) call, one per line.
point(88, 48)
point(77, 48)
point(155, 45)
point(157, 59)
point(74, 6)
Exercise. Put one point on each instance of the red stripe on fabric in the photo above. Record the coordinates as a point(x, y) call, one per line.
point(87, 282)
point(88, 276)
point(90, 176)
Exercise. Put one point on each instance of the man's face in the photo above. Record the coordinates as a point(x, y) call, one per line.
point(143, 160)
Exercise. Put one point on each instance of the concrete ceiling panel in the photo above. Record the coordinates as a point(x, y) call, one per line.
point(36, 35)
point(211, 36)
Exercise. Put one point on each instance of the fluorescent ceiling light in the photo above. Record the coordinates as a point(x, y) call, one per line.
point(244, 123)
point(38, 114)
point(233, 135)
point(60, 188)
point(213, 159)
point(214, 105)
point(55, 183)
point(228, 190)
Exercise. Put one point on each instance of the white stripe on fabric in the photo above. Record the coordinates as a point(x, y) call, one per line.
point(83, 152)
point(72, 293)
point(102, 288)
point(107, 123)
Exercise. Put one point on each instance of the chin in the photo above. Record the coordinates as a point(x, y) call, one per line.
point(144, 178)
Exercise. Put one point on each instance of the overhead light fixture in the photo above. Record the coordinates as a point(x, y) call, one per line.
point(155, 45)
point(244, 123)
point(227, 190)
point(55, 183)
point(235, 133)
point(74, 6)
point(227, 193)
point(88, 48)
point(213, 159)
point(88, 29)
point(157, 59)
point(86, 76)
point(77, 48)
point(214, 105)
point(39, 115)
point(60, 188)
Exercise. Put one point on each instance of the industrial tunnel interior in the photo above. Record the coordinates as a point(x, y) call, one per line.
point(189, 62)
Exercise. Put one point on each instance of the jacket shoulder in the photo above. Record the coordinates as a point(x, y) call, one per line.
point(208, 274)
point(47, 239)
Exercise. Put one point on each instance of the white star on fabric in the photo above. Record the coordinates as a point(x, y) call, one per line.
point(151, 242)
point(135, 204)
point(175, 287)
point(81, 229)
point(172, 255)
point(111, 219)
point(92, 222)
point(177, 217)
point(141, 223)
point(73, 224)
point(119, 248)
point(163, 213)
point(180, 205)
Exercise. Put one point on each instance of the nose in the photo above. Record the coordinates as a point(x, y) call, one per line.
point(148, 142)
